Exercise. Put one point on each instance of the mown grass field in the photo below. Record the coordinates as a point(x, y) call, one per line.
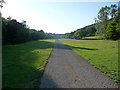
point(91, 38)
point(102, 54)
point(24, 63)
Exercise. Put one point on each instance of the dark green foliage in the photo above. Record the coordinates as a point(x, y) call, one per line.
point(77, 34)
point(108, 23)
point(22, 36)
point(103, 13)
point(83, 32)
point(111, 31)
point(36, 35)
point(14, 32)
point(87, 31)
point(67, 35)
point(70, 35)
point(24, 63)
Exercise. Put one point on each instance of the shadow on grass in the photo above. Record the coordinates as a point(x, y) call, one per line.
point(18, 63)
point(59, 45)
point(82, 48)
point(40, 44)
point(18, 60)
point(20, 76)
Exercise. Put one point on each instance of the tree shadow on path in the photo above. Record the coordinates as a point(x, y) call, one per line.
point(48, 82)
point(60, 45)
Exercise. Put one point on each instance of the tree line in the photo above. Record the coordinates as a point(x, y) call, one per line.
point(82, 32)
point(107, 25)
point(14, 32)
point(108, 22)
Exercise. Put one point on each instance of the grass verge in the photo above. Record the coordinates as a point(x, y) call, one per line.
point(103, 54)
point(24, 63)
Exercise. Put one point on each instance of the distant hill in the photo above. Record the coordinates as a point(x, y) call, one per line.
point(82, 32)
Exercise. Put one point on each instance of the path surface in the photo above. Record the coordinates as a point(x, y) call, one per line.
point(65, 69)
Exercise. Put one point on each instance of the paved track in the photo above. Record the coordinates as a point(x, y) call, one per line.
point(65, 69)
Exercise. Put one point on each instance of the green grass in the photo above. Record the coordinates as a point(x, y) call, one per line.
point(24, 63)
point(91, 38)
point(102, 54)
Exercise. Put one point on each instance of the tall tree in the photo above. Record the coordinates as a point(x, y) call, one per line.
point(113, 10)
point(103, 17)
point(108, 22)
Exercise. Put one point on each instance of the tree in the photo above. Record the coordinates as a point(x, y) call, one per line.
point(41, 34)
point(113, 10)
point(103, 17)
point(111, 32)
point(113, 29)
point(85, 31)
point(103, 14)
point(77, 34)
point(106, 23)
point(15, 32)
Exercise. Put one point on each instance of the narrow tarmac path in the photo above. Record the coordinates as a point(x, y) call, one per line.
point(65, 69)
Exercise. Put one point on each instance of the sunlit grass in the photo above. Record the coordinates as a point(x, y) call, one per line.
point(24, 63)
point(91, 38)
point(103, 54)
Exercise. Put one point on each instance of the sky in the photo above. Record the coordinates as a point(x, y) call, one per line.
point(54, 16)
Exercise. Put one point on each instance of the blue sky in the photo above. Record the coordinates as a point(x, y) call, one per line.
point(54, 17)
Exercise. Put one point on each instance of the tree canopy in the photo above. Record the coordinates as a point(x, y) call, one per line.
point(14, 32)
point(107, 25)
point(108, 21)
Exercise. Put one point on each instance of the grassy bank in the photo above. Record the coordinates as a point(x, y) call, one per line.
point(103, 54)
point(24, 63)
